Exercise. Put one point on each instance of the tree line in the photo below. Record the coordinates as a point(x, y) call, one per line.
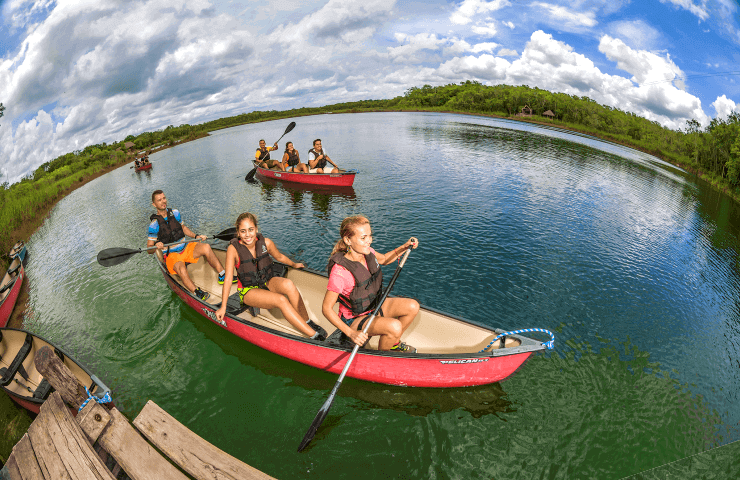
point(712, 152)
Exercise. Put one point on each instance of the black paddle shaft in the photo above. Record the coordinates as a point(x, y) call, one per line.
point(118, 255)
point(251, 173)
point(324, 411)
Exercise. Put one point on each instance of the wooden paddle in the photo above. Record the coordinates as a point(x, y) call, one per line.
point(117, 255)
point(290, 127)
point(324, 411)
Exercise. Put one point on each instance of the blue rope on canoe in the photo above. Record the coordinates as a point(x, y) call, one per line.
point(106, 398)
point(549, 344)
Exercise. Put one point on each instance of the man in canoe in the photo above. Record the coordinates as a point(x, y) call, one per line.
point(356, 281)
point(166, 227)
point(262, 155)
point(317, 159)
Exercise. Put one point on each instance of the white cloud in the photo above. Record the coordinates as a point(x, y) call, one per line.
point(509, 24)
point(724, 106)
point(646, 67)
point(506, 52)
point(485, 66)
point(488, 29)
point(636, 33)
point(471, 8)
point(565, 18)
point(698, 10)
point(553, 65)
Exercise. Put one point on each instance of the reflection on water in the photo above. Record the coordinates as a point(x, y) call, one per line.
point(294, 194)
point(632, 263)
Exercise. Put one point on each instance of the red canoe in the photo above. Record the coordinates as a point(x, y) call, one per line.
point(447, 347)
point(342, 179)
point(10, 286)
point(18, 374)
point(144, 167)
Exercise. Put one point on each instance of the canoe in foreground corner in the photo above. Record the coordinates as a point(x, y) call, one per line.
point(448, 347)
point(10, 285)
point(341, 179)
point(18, 374)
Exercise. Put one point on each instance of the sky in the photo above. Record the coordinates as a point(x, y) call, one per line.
point(78, 72)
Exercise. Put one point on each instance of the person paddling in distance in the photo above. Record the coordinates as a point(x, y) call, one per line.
point(317, 159)
point(292, 161)
point(356, 281)
point(251, 254)
point(166, 227)
point(262, 155)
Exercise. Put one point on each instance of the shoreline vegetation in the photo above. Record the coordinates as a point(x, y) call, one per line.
point(712, 154)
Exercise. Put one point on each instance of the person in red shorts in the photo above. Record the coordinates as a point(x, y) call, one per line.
point(166, 227)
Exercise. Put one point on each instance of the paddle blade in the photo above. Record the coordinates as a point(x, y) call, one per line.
point(227, 234)
point(250, 175)
point(320, 417)
point(290, 127)
point(115, 256)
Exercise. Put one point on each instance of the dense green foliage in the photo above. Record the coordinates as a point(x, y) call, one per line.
point(713, 153)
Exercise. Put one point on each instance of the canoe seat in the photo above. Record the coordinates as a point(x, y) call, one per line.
point(9, 373)
point(43, 390)
point(6, 287)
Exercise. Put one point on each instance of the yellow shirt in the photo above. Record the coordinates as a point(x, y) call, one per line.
point(259, 152)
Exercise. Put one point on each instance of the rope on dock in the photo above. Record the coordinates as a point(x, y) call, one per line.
point(105, 399)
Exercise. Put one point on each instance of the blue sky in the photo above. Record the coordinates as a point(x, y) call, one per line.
point(75, 73)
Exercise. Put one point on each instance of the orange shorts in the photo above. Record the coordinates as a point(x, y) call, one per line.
point(185, 256)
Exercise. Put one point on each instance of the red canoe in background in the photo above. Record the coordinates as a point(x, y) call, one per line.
point(19, 377)
point(10, 286)
point(341, 179)
point(448, 348)
point(144, 167)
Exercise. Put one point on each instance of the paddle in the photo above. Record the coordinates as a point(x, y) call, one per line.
point(117, 255)
point(324, 411)
point(290, 127)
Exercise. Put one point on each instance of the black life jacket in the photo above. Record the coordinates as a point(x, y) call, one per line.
point(264, 155)
point(322, 162)
point(253, 271)
point(170, 229)
point(293, 159)
point(368, 282)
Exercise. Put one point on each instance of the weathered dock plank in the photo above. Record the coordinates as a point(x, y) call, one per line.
point(193, 454)
point(79, 458)
point(46, 454)
point(25, 460)
point(136, 457)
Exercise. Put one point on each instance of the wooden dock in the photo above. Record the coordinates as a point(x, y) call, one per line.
point(99, 443)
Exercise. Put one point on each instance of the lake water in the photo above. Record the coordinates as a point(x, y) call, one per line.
point(630, 261)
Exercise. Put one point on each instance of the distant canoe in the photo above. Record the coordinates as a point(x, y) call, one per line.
point(18, 374)
point(144, 167)
point(449, 348)
point(341, 179)
point(10, 286)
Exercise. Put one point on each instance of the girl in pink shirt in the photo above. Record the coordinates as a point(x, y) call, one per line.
point(353, 260)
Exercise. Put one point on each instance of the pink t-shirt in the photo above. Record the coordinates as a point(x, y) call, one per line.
point(342, 282)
